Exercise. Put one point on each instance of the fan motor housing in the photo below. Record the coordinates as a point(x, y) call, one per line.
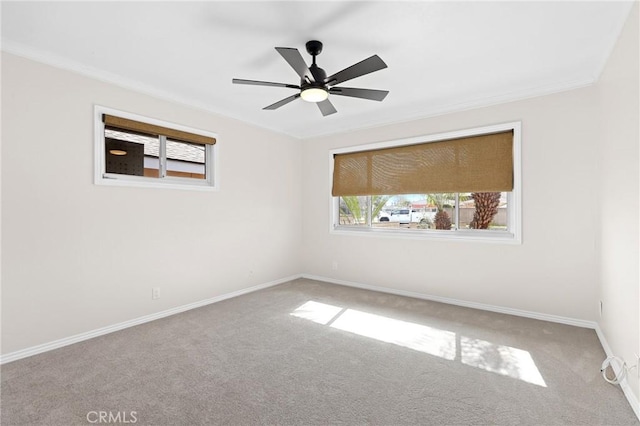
point(319, 75)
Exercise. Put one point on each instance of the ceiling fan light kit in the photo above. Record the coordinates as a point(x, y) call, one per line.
point(315, 86)
point(314, 94)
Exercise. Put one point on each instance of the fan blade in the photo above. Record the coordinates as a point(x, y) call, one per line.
point(263, 83)
point(283, 102)
point(326, 107)
point(294, 58)
point(369, 65)
point(372, 94)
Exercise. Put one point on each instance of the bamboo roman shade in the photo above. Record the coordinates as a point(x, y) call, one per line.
point(151, 129)
point(471, 164)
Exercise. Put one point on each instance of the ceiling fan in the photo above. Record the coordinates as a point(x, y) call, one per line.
point(315, 86)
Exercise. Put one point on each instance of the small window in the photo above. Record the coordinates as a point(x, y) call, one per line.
point(137, 151)
point(458, 185)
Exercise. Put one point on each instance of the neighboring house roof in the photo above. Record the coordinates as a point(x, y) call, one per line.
point(469, 203)
point(181, 151)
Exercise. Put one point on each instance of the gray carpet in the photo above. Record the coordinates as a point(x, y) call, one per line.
point(307, 352)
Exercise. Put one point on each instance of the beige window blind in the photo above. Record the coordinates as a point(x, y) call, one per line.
point(472, 164)
point(151, 129)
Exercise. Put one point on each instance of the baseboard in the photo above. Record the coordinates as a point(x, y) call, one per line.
point(457, 302)
point(45, 347)
point(624, 385)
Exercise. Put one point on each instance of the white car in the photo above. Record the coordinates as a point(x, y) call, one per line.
point(383, 217)
point(400, 216)
point(418, 215)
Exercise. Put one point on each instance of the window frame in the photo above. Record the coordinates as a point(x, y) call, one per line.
point(513, 235)
point(211, 183)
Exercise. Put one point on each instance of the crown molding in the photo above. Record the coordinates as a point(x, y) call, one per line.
point(63, 63)
point(483, 102)
point(414, 114)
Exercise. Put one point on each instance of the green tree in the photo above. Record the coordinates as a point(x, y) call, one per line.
point(377, 203)
point(440, 200)
point(353, 204)
point(359, 212)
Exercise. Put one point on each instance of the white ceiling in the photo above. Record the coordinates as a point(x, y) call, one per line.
point(441, 56)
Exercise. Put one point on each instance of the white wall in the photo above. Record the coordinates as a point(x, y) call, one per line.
point(77, 256)
point(552, 272)
point(618, 89)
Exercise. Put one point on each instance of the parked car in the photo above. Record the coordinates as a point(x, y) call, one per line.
point(418, 215)
point(383, 217)
point(400, 216)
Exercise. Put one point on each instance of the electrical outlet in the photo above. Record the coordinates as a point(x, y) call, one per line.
point(334, 265)
point(155, 293)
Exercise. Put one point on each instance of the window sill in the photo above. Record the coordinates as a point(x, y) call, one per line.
point(492, 237)
point(166, 183)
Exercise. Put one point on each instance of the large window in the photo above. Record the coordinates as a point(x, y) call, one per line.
point(459, 185)
point(135, 150)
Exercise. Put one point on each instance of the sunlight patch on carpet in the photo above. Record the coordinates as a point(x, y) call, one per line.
point(505, 360)
point(409, 335)
point(499, 359)
point(418, 337)
point(317, 312)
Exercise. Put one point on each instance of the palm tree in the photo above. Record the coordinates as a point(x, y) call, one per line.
point(377, 203)
point(356, 209)
point(486, 207)
point(353, 204)
point(442, 219)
